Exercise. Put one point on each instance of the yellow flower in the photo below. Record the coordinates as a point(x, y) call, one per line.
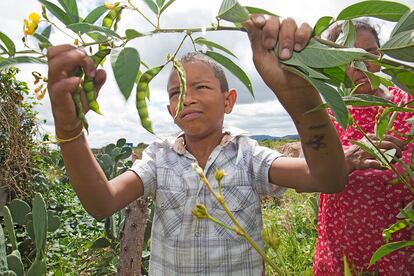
point(111, 6)
point(30, 24)
point(200, 211)
point(219, 174)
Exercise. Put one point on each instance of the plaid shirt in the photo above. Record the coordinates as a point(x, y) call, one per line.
point(181, 244)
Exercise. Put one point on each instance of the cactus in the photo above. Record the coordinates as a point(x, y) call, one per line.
point(8, 222)
point(121, 142)
point(19, 209)
point(15, 263)
point(38, 268)
point(29, 226)
point(3, 260)
point(39, 224)
point(53, 221)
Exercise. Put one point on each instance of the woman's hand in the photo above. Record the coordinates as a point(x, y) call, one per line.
point(358, 159)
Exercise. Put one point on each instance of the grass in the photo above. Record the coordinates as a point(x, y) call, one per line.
point(295, 218)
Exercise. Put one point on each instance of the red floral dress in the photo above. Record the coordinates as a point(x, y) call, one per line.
point(351, 223)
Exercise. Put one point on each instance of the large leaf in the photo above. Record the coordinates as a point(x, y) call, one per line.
point(46, 32)
point(208, 43)
point(233, 68)
point(166, 6)
point(381, 126)
point(125, 65)
point(404, 79)
point(58, 12)
point(95, 14)
point(11, 48)
point(254, 10)
point(348, 35)
point(406, 23)
point(317, 55)
point(131, 34)
point(322, 24)
point(387, 249)
point(160, 3)
point(334, 101)
point(400, 46)
point(387, 10)
point(88, 28)
point(3, 260)
point(71, 8)
point(44, 43)
point(22, 59)
point(38, 268)
point(232, 11)
point(152, 5)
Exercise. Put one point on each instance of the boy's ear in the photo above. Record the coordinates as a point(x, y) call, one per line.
point(230, 100)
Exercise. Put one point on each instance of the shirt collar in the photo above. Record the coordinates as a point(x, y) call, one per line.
point(230, 134)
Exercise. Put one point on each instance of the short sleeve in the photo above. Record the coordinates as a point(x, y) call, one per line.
point(262, 160)
point(146, 170)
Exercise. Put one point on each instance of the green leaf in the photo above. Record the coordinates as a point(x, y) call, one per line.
point(348, 35)
point(71, 8)
point(387, 10)
point(233, 68)
point(44, 43)
point(317, 55)
point(22, 59)
point(151, 4)
point(100, 243)
point(406, 23)
point(404, 79)
point(121, 142)
point(408, 209)
point(232, 11)
point(208, 43)
point(58, 12)
point(398, 226)
point(367, 100)
point(254, 10)
point(46, 32)
point(166, 6)
point(322, 24)
point(39, 215)
point(19, 209)
point(95, 14)
point(370, 148)
point(11, 48)
point(160, 3)
point(382, 123)
point(125, 65)
point(334, 101)
point(87, 28)
point(131, 34)
point(400, 46)
point(387, 249)
point(306, 69)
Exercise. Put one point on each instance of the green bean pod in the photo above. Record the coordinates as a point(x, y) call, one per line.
point(111, 16)
point(141, 103)
point(183, 86)
point(79, 109)
point(89, 86)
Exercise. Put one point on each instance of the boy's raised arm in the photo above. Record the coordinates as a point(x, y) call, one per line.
point(100, 197)
point(324, 169)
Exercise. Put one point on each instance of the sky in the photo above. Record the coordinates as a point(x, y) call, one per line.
point(262, 115)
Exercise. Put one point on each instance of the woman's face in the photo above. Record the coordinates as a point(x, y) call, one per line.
point(367, 41)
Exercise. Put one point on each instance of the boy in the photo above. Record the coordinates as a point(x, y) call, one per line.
point(182, 244)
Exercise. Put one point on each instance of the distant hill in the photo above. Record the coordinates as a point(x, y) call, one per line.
point(274, 138)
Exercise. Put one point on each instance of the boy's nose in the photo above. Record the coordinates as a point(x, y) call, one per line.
point(189, 97)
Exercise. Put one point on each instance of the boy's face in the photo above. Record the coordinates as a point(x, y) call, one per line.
point(205, 104)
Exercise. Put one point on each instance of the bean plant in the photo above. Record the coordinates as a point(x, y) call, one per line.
point(322, 63)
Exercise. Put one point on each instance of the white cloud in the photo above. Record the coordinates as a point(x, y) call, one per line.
point(263, 116)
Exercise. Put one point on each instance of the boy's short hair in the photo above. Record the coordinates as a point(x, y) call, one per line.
point(215, 67)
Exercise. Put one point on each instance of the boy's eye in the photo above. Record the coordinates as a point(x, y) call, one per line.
point(202, 87)
point(173, 94)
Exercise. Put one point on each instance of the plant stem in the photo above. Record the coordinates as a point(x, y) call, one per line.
point(400, 177)
point(133, 7)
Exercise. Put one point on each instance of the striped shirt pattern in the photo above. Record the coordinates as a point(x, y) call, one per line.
point(181, 244)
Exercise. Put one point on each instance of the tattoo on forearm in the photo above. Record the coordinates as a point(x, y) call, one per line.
point(318, 126)
point(316, 142)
